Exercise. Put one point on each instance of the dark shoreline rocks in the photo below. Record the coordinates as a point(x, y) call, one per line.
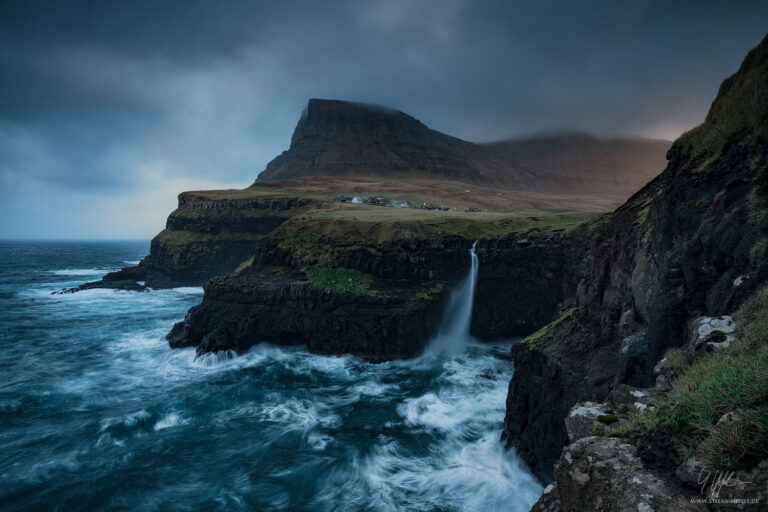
point(253, 307)
point(128, 278)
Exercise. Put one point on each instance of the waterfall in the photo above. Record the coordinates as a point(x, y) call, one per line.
point(453, 334)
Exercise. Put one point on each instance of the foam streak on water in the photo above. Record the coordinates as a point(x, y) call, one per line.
point(96, 412)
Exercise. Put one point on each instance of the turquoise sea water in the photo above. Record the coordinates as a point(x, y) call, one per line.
point(98, 413)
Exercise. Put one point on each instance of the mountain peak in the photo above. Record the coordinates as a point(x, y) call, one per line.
point(332, 119)
point(349, 139)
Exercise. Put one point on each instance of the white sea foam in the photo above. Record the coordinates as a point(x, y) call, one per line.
point(170, 420)
point(373, 388)
point(318, 441)
point(128, 420)
point(216, 359)
point(477, 475)
point(183, 290)
point(440, 415)
point(81, 271)
point(298, 414)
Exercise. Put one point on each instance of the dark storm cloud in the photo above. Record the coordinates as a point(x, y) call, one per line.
point(116, 98)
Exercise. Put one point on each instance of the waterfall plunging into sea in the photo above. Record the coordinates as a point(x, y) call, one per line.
point(453, 335)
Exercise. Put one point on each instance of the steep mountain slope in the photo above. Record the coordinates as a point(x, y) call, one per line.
point(691, 243)
point(338, 138)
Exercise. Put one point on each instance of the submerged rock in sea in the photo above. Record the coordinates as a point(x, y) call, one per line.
point(126, 279)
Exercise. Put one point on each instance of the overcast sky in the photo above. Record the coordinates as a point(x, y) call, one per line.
point(109, 109)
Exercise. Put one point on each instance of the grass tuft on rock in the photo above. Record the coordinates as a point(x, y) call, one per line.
point(608, 419)
point(676, 358)
point(728, 380)
point(530, 340)
point(340, 280)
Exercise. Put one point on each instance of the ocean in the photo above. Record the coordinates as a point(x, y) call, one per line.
point(98, 413)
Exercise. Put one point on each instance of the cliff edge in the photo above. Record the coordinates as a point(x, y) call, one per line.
point(690, 247)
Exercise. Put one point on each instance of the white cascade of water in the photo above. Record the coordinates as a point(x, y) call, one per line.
point(453, 334)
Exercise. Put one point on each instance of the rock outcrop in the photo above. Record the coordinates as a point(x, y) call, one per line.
point(691, 243)
point(209, 236)
point(129, 278)
point(602, 473)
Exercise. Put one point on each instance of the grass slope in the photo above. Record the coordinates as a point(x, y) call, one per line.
point(727, 380)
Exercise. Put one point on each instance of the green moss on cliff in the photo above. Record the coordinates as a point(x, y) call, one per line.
point(247, 263)
point(531, 339)
point(757, 207)
point(225, 214)
point(758, 252)
point(182, 238)
point(729, 380)
point(739, 110)
point(319, 237)
point(676, 358)
point(340, 280)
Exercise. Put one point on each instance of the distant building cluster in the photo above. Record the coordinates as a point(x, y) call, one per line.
point(383, 201)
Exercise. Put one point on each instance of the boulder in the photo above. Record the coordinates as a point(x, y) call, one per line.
point(604, 473)
point(708, 333)
point(585, 417)
point(630, 398)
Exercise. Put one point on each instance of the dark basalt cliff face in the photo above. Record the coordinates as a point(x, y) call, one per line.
point(339, 138)
point(407, 279)
point(692, 242)
point(209, 237)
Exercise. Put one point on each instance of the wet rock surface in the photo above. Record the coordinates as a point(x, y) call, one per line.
point(603, 473)
point(129, 278)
